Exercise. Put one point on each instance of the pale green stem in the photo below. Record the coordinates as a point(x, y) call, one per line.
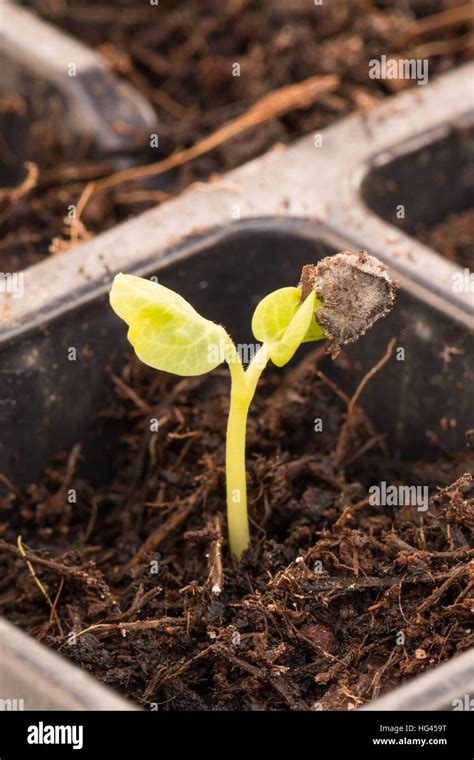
point(243, 385)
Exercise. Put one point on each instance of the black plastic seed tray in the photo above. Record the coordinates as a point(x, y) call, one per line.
point(295, 206)
point(68, 88)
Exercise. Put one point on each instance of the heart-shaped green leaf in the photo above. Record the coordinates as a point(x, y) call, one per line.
point(165, 331)
point(283, 323)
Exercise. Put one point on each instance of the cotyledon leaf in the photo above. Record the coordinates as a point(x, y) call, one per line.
point(164, 329)
point(283, 323)
point(274, 313)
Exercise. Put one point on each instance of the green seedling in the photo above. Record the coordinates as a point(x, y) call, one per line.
point(337, 299)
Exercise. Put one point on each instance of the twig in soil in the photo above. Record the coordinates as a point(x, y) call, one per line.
point(163, 531)
point(453, 577)
point(74, 229)
point(335, 388)
point(164, 675)
point(441, 21)
point(61, 175)
point(375, 685)
point(71, 465)
point(76, 573)
point(92, 519)
point(270, 106)
point(140, 600)
point(341, 446)
point(14, 194)
point(465, 592)
point(215, 558)
point(287, 689)
point(440, 47)
point(350, 583)
point(184, 436)
point(124, 628)
point(163, 100)
point(401, 545)
point(368, 376)
point(348, 512)
point(129, 392)
point(53, 614)
point(42, 588)
point(282, 685)
point(159, 535)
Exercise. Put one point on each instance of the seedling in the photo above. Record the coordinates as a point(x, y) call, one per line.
point(337, 299)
